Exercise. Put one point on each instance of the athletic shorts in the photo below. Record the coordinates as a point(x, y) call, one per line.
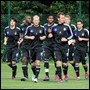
point(12, 54)
point(36, 54)
point(61, 53)
point(48, 52)
point(79, 56)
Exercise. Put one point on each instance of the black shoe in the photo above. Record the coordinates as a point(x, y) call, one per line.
point(24, 79)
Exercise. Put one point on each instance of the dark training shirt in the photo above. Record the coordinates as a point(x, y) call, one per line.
point(37, 32)
point(13, 36)
point(61, 30)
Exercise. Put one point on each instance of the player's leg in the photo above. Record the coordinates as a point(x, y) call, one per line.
point(85, 65)
point(71, 55)
point(8, 57)
point(65, 53)
point(14, 61)
point(46, 63)
point(32, 63)
point(57, 55)
point(37, 64)
point(24, 64)
point(77, 56)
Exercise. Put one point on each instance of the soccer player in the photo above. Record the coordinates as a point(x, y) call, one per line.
point(48, 45)
point(35, 35)
point(24, 49)
point(71, 47)
point(11, 40)
point(81, 38)
point(61, 33)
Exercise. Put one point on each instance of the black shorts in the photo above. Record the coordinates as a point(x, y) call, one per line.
point(36, 54)
point(61, 53)
point(48, 52)
point(71, 52)
point(79, 56)
point(12, 54)
point(26, 53)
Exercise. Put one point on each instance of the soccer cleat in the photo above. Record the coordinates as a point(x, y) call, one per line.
point(59, 80)
point(66, 78)
point(87, 75)
point(24, 79)
point(35, 80)
point(33, 77)
point(46, 78)
point(77, 78)
point(56, 77)
point(13, 78)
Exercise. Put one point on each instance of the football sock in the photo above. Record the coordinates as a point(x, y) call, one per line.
point(25, 70)
point(14, 68)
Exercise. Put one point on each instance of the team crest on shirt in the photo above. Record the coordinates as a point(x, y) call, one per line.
point(15, 33)
point(64, 29)
point(40, 31)
point(82, 34)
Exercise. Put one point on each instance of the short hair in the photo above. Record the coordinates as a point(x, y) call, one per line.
point(80, 20)
point(27, 16)
point(68, 16)
point(36, 16)
point(14, 19)
point(60, 13)
point(50, 15)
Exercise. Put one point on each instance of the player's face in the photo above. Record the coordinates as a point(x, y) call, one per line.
point(67, 20)
point(50, 19)
point(61, 19)
point(12, 22)
point(79, 25)
point(28, 19)
point(36, 21)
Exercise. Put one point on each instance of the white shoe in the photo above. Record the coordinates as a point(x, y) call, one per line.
point(33, 77)
point(35, 80)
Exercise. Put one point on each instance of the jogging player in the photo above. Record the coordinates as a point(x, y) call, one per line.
point(81, 38)
point(71, 47)
point(24, 49)
point(48, 46)
point(11, 40)
point(61, 33)
point(35, 34)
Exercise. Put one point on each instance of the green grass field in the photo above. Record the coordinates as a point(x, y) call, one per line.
point(7, 83)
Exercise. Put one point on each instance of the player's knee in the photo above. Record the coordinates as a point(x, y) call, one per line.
point(46, 59)
point(84, 65)
point(24, 60)
point(37, 62)
point(58, 63)
point(71, 62)
point(33, 64)
point(13, 62)
point(64, 64)
point(76, 64)
point(8, 63)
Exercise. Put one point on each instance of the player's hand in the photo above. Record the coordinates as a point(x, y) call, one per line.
point(32, 37)
point(20, 41)
point(63, 39)
point(5, 43)
point(73, 42)
point(79, 38)
point(49, 30)
point(50, 35)
point(42, 37)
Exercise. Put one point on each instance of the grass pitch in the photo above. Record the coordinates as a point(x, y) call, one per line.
point(7, 83)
